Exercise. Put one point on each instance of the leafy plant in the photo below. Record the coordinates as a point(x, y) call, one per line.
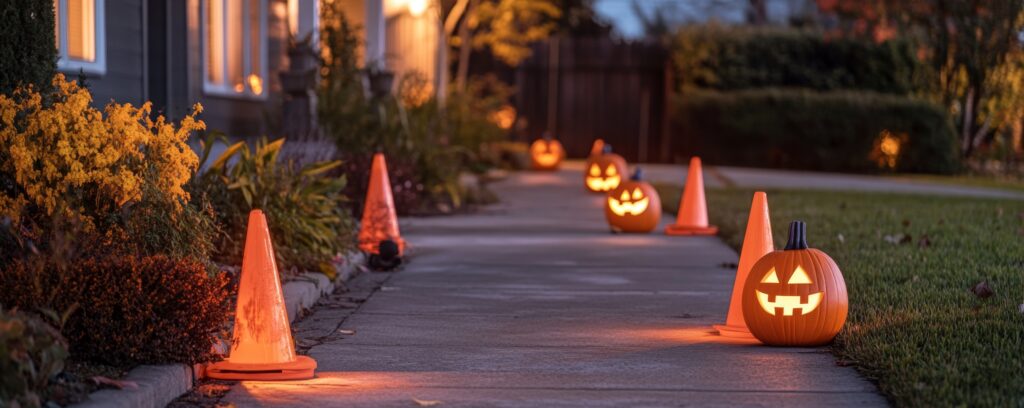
point(31, 353)
point(427, 144)
point(800, 129)
point(64, 160)
point(130, 310)
point(725, 59)
point(305, 207)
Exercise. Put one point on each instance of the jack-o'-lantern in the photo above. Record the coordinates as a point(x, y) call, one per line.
point(604, 172)
point(546, 154)
point(796, 296)
point(633, 206)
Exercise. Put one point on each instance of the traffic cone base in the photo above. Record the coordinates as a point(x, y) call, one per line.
point(690, 230)
point(692, 218)
point(373, 246)
point(739, 332)
point(300, 369)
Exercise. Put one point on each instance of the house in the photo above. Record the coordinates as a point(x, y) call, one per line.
point(225, 54)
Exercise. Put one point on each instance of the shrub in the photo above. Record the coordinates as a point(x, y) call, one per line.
point(28, 55)
point(468, 119)
point(305, 207)
point(67, 160)
point(722, 58)
point(834, 131)
point(427, 147)
point(31, 354)
point(130, 310)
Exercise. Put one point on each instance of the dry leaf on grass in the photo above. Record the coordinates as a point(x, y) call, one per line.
point(898, 239)
point(982, 290)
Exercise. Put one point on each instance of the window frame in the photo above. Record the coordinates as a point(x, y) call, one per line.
point(98, 66)
point(306, 16)
point(248, 67)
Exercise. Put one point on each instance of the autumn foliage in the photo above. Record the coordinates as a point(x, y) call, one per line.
point(67, 158)
point(126, 310)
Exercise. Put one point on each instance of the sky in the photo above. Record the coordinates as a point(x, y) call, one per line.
point(620, 12)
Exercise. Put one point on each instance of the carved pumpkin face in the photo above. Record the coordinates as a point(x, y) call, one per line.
point(632, 203)
point(603, 172)
point(546, 154)
point(796, 296)
point(633, 206)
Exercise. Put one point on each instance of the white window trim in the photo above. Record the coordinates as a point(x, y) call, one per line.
point(225, 90)
point(69, 65)
point(306, 20)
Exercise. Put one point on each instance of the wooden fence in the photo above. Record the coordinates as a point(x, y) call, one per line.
point(582, 89)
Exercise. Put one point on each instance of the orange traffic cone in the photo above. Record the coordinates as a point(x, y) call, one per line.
point(693, 209)
point(379, 220)
point(756, 243)
point(597, 148)
point(261, 347)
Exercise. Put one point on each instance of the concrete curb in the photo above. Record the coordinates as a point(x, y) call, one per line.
point(159, 385)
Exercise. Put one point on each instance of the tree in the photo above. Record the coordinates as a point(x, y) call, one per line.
point(972, 47)
point(505, 27)
point(578, 19)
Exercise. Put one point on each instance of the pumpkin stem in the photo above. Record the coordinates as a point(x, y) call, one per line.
point(797, 236)
point(638, 175)
point(547, 136)
point(606, 149)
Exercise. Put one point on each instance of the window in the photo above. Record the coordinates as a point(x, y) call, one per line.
point(303, 16)
point(80, 35)
point(234, 47)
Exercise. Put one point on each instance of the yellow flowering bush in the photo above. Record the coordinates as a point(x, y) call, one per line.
point(66, 158)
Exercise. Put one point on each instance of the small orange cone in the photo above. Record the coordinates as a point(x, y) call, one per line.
point(597, 148)
point(756, 243)
point(261, 347)
point(693, 209)
point(379, 220)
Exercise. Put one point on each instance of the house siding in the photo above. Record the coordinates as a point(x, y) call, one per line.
point(239, 117)
point(154, 52)
point(125, 74)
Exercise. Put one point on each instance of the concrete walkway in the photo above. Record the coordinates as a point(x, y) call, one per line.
point(533, 303)
point(720, 176)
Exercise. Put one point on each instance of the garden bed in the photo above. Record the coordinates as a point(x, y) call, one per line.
point(910, 262)
point(157, 386)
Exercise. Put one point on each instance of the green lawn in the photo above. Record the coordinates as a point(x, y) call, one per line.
point(914, 326)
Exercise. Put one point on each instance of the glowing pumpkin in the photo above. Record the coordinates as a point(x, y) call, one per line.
point(604, 172)
point(546, 154)
point(633, 206)
point(796, 296)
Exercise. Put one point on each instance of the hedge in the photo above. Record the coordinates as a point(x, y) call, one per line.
point(28, 54)
point(723, 58)
point(802, 129)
